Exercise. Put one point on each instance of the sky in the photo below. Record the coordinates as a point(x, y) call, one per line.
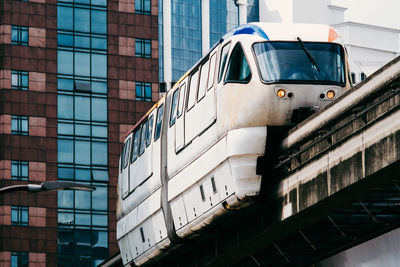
point(377, 12)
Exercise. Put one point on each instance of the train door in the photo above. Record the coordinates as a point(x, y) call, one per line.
point(180, 120)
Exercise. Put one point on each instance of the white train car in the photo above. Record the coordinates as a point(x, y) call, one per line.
point(194, 155)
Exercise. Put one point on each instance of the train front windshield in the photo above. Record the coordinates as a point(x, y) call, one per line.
point(300, 62)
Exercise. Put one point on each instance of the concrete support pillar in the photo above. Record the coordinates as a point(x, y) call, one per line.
point(242, 4)
point(205, 25)
point(167, 40)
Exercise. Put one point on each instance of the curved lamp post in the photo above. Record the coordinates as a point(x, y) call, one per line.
point(47, 186)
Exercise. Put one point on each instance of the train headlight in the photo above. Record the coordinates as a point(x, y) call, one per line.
point(330, 94)
point(281, 93)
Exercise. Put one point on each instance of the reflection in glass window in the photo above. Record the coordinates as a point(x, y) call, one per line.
point(238, 69)
point(203, 81)
point(193, 89)
point(19, 258)
point(65, 150)
point(19, 125)
point(19, 80)
point(224, 56)
point(135, 145)
point(174, 105)
point(149, 131)
point(19, 170)
point(19, 35)
point(160, 114)
point(143, 138)
point(143, 7)
point(143, 48)
point(143, 91)
point(19, 215)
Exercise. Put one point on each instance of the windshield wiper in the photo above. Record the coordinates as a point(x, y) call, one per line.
point(309, 56)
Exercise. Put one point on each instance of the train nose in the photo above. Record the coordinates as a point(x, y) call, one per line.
point(302, 113)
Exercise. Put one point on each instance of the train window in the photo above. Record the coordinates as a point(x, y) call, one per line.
point(149, 131)
point(143, 138)
point(181, 99)
point(203, 81)
point(135, 145)
point(172, 117)
point(224, 56)
point(126, 152)
point(212, 71)
point(193, 89)
point(238, 69)
point(160, 113)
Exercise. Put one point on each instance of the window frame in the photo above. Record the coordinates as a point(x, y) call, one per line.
point(159, 122)
point(229, 60)
point(20, 30)
point(142, 43)
point(20, 74)
point(143, 137)
point(135, 154)
point(174, 108)
point(194, 72)
point(213, 56)
point(223, 65)
point(20, 210)
point(200, 82)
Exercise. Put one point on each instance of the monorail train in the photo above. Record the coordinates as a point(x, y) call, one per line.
point(193, 156)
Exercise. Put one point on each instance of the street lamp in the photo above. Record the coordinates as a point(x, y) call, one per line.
point(47, 186)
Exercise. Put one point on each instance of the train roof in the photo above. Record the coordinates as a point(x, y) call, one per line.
point(286, 32)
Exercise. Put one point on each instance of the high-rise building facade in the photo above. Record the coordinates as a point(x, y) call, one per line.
point(188, 28)
point(75, 76)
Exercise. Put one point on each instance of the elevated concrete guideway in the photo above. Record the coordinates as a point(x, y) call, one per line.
point(337, 185)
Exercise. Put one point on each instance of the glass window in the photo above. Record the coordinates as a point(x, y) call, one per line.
point(143, 91)
point(150, 130)
point(65, 151)
point(82, 199)
point(19, 80)
point(318, 63)
point(160, 113)
point(99, 22)
point(82, 108)
point(65, 199)
point(82, 20)
point(19, 170)
point(203, 81)
point(174, 105)
point(99, 65)
point(181, 103)
point(99, 198)
point(99, 109)
point(65, 60)
point(127, 149)
point(143, 7)
point(65, 22)
point(19, 215)
point(65, 39)
point(193, 89)
point(19, 125)
point(143, 48)
point(238, 69)
point(64, 104)
point(99, 153)
point(82, 64)
point(143, 138)
point(212, 71)
point(82, 152)
point(19, 35)
point(135, 145)
point(19, 259)
point(224, 56)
